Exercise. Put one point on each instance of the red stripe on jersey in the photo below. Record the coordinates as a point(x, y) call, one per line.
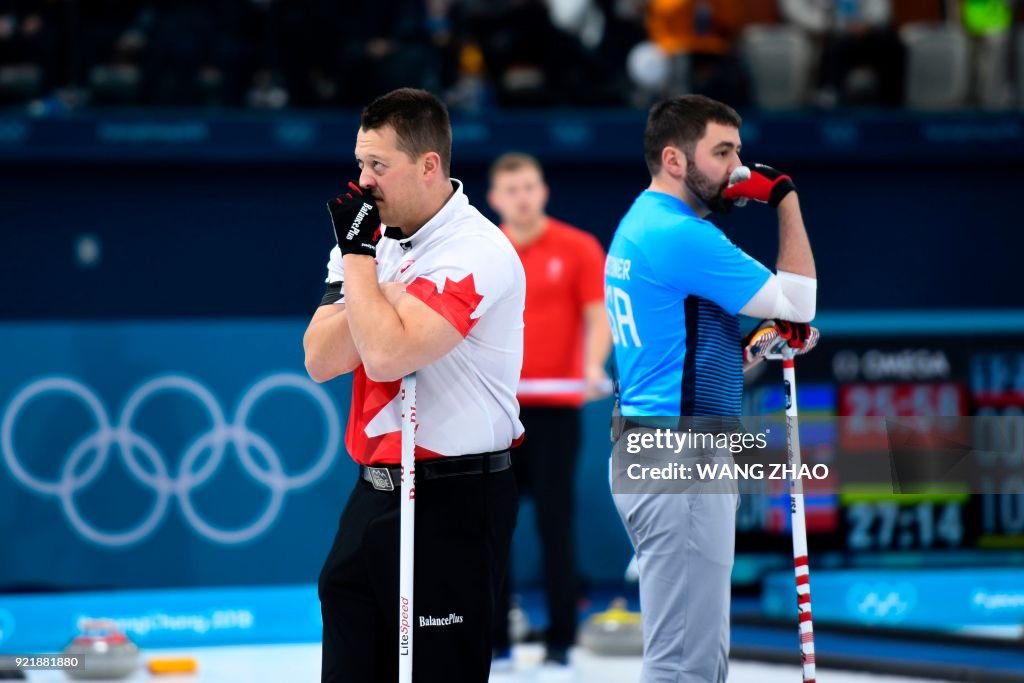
point(800, 561)
point(803, 580)
point(368, 399)
point(805, 616)
point(803, 599)
point(788, 363)
point(456, 303)
point(386, 449)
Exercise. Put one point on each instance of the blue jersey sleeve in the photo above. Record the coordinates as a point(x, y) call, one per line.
point(703, 261)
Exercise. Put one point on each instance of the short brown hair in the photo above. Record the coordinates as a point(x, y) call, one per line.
point(682, 121)
point(513, 161)
point(420, 121)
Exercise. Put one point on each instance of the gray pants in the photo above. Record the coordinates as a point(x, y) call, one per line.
point(684, 545)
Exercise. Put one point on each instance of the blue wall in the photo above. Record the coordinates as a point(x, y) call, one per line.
point(226, 217)
point(253, 241)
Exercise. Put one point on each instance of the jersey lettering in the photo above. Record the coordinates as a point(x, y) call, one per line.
point(620, 314)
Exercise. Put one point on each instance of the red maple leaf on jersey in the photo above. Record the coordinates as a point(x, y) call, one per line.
point(456, 302)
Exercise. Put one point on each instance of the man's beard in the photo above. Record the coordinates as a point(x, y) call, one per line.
point(706, 190)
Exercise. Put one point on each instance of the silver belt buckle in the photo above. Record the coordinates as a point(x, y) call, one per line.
point(380, 477)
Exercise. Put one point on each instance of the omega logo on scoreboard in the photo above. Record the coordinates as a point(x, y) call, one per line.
point(898, 364)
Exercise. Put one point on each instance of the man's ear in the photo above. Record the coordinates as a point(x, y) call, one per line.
point(431, 165)
point(673, 161)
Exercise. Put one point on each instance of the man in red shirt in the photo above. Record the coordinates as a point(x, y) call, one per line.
point(566, 344)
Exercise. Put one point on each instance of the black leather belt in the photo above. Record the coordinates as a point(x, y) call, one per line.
point(390, 478)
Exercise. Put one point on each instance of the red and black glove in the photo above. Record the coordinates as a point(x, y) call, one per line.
point(765, 184)
point(770, 337)
point(356, 222)
point(796, 335)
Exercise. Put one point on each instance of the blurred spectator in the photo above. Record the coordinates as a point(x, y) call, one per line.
point(321, 53)
point(190, 51)
point(112, 50)
point(306, 53)
point(624, 28)
point(986, 17)
point(581, 19)
point(532, 62)
point(988, 24)
point(446, 35)
point(470, 92)
point(699, 38)
point(461, 69)
point(920, 11)
point(383, 45)
point(862, 58)
point(29, 56)
point(602, 31)
point(262, 59)
point(608, 29)
point(512, 37)
point(779, 58)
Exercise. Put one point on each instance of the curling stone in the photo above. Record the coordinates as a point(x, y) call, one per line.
point(616, 631)
point(105, 652)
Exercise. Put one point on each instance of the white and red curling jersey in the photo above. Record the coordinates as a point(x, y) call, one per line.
point(464, 268)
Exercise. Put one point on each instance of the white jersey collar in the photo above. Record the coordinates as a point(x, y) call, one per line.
point(455, 204)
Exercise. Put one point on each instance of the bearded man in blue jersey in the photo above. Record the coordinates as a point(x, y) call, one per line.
point(675, 286)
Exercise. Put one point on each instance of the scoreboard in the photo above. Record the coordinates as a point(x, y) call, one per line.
point(861, 379)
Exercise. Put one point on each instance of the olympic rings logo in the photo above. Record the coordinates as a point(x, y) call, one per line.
point(129, 444)
point(878, 602)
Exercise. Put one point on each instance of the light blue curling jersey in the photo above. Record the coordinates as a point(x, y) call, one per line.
point(674, 284)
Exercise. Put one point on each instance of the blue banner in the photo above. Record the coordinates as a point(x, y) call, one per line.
point(166, 454)
point(980, 600)
point(573, 136)
point(164, 618)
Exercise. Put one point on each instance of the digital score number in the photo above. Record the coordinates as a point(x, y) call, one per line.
point(882, 525)
point(863, 408)
point(997, 392)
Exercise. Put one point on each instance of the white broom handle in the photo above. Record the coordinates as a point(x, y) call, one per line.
point(554, 386)
point(799, 522)
point(406, 618)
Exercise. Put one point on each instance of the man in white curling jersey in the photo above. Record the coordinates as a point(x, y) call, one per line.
point(420, 282)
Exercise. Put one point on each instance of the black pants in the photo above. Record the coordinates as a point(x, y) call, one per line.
point(545, 467)
point(463, 530)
